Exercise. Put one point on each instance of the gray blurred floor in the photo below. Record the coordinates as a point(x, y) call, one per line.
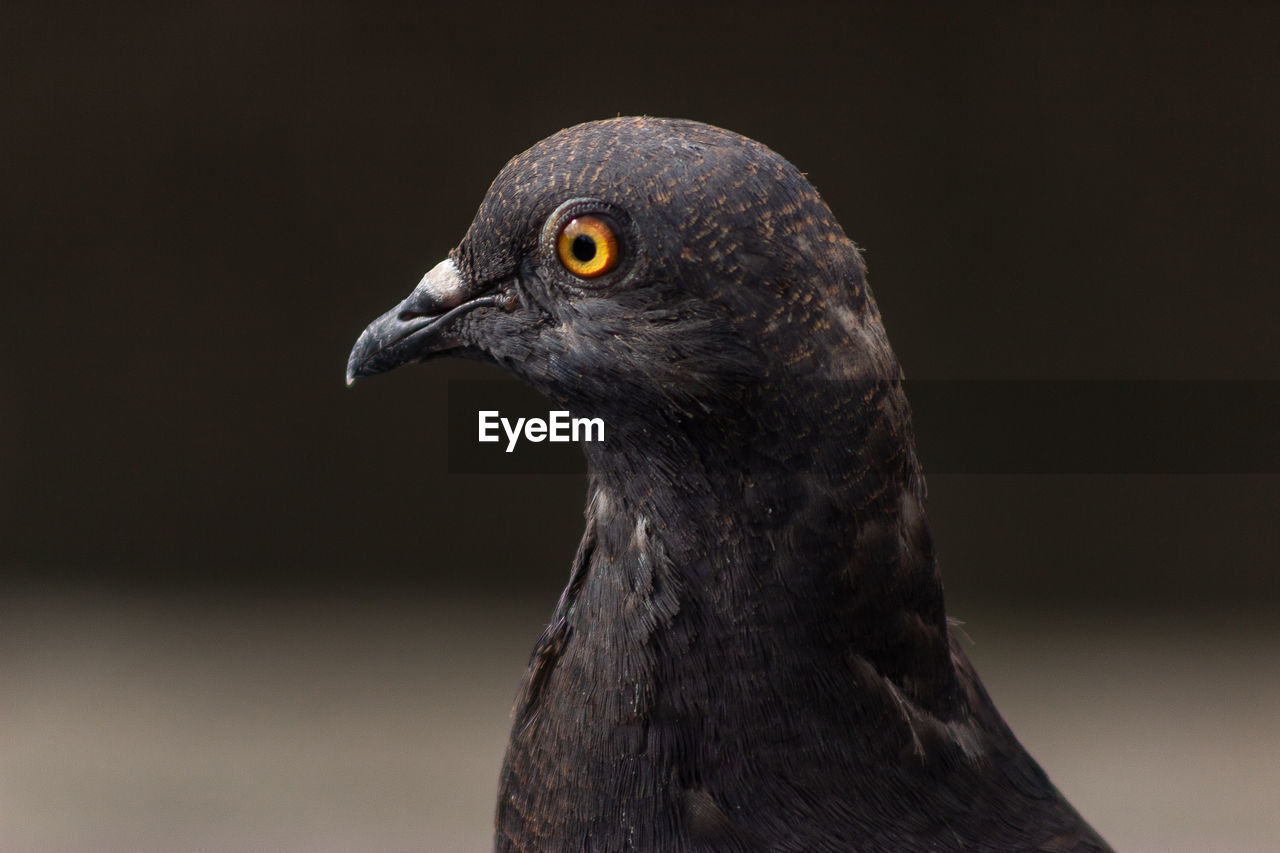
point(148, 724)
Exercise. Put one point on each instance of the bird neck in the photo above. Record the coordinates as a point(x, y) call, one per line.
point(813, 540)
point(727, 610)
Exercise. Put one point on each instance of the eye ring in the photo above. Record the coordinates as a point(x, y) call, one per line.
point(588, 246)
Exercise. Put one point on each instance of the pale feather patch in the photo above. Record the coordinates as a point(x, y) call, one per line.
point(963, 732)
point(865, 353)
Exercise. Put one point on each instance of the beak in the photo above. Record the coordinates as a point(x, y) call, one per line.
point(417, 328)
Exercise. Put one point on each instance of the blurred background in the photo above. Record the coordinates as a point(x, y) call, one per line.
point(244, 608)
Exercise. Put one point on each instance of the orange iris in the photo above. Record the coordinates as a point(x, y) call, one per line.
point(587, 247)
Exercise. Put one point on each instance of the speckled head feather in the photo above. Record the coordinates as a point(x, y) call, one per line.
point(724, 243)
point(708, 206)
point(752, 651)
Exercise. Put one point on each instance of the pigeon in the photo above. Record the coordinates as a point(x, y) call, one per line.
point(752, 651)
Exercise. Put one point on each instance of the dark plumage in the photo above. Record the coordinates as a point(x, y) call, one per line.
point(752, 652)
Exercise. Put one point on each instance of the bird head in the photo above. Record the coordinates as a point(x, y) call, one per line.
point(647, 270)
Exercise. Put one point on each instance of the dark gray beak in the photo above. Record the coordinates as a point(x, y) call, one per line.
point(417, 328)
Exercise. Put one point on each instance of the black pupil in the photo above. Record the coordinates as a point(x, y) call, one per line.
point(584, 248)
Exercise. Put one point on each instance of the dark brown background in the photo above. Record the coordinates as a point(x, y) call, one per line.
point(204, 203)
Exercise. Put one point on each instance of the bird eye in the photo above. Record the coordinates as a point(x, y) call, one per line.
point(587, 247)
